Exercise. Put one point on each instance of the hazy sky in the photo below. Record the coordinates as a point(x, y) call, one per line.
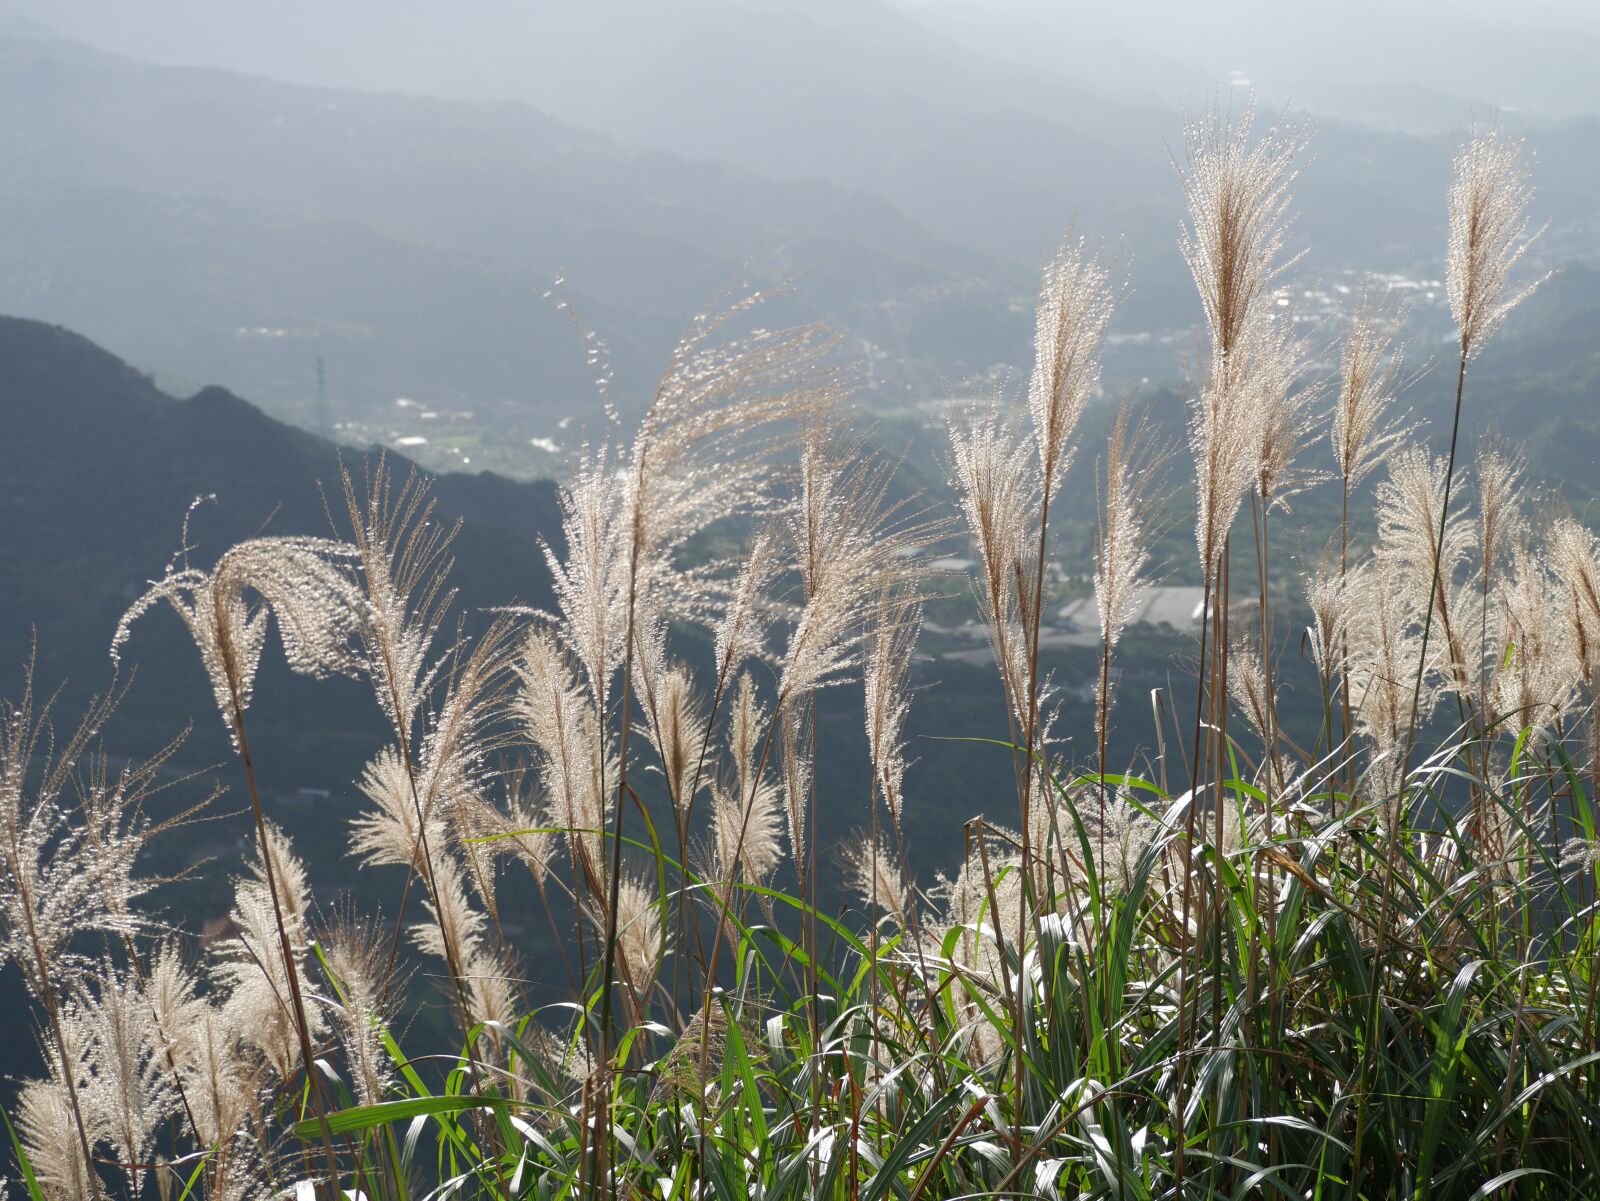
point(1536, 56)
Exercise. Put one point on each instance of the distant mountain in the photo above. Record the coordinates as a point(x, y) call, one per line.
point(991, 148)
point(97, 468)
point(230, 228)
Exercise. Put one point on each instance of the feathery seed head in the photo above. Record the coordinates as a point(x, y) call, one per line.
point(50, 1135)
point(1539, 679)
point(1499, 473)
point(746, 820)
point(358, 960)
point(1237, 194)
point(675, 725)
point(998, 487)
point(251, 967)
point(304, 582)
point(1409, 504)
point(1122, 551)
point(127, 1092)
point(558, 718)
point(741, 632)
point(891, 639)
point(641, 936)
point(1076, 299)
point(849, 534)
point(1489, 197)
point(1385, 644)
point(1369, 366)
point(872, 873)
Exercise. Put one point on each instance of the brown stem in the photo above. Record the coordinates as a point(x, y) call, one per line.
point(52, 1008)
point(1190, 821)
point(1405, 764)
point(331, 1187)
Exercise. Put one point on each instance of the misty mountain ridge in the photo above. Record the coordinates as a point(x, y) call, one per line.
point(408, 241)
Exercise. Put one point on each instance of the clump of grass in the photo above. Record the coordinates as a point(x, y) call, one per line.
point(1340, 969)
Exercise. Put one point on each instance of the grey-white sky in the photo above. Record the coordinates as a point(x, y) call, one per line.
point(1410, 61)
point(911, 161)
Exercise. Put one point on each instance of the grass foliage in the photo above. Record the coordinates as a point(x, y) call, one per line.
point(1349, 963)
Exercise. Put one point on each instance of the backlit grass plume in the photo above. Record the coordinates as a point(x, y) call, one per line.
point(1337, 938)
point(1489, 234)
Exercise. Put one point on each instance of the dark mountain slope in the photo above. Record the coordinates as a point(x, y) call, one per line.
point(97, 468)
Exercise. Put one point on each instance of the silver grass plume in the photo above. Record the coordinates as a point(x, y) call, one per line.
point(388, 832)
point(1247, 678)
point(1122, 835)
point(1237, 194)
point(997, 488)
point(516, 827)
point(1332, 594)
point(127, 1094)
point(429, 790)
point(1489, 196)
point(982, 924)
point(1575, 557)
point(1249, 690)
point(1385, 644)
point(452, 772)
point(701, 449)
point(848, 532)
point(590, 582)
point(1409, 506)
point(453, 922)
point(675, 720)
point(699, 456)
point(221, 1083)
point(746, 815)
point(61, 878)
point(491, 992)
point(303, 582)
point(171, 990)
point(872, 872)
point(456, 935)
point(641, 935)
point(1499, 473)
point(1539, 678)
point(886, 662)
point(54, 882)
point(741, 632)
point(1227, 433)
point(1122, 549)
point(1369, 368)
point(403, 555)
point(358, 961)
point(46, 1127)
point(797, 769)
point(694, 1065)
point(251, 967)
point(1076, 300)
point(552, 707)
point(1285, 421)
